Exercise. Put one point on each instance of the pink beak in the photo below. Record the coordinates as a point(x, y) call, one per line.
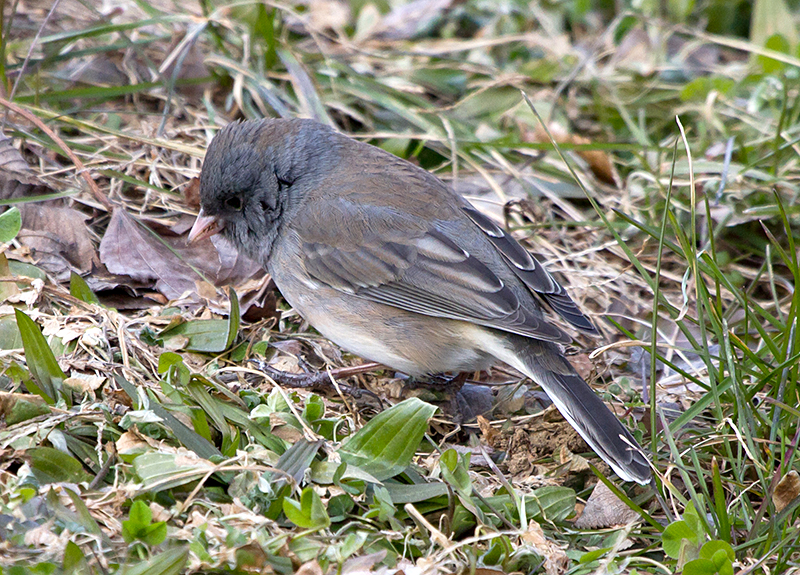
point(204, 227)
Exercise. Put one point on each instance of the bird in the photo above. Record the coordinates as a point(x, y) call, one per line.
point(384, 259)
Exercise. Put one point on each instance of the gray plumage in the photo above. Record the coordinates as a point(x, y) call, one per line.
point(387, 261)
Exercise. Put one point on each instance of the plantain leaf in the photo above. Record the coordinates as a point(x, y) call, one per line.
point(40, 359)
point(384, 446)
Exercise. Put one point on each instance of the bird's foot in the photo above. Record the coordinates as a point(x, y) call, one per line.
point(439, 382)
point(321, 380)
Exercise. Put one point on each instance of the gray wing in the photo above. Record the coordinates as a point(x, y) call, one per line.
point(390, 260)
point(531, 272)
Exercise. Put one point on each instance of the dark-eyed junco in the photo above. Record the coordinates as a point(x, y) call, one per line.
point(391, 264)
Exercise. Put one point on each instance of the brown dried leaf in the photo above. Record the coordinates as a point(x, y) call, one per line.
point(191, 193)
point(555, 560)
point(787, 489)
point(58, 239)
point(128, 249)
point(56, 234)
point(599, 162)
point(10, 158)
point(490, 435)
point(604, 509)
point(363, 563)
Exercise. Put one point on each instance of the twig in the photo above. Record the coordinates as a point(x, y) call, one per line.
point(104, 201)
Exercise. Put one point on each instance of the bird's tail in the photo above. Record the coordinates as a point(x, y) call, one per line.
point(543, 362)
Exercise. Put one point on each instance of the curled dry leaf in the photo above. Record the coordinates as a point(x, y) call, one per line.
point(555, 559)
point(599, 162)
point(58, 239)
point(786, 491)
point(129, 249)
point(604, 509)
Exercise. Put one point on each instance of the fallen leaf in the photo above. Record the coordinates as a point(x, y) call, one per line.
point(604, 509)
point(489, 433)
point(58, 239)
point(555, 559)
point(599, 161)
point(363, 563)
point(786, 491)
point(56, 234)
point(129, 249)
point(310, 568)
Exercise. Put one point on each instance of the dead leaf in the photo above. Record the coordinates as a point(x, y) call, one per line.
point(786, 491)
point(555, 559)
point(128, 249)
point(8, 285)
point(599, 161)
point(56, 234)
point(58, 239)
point(362, 564)
point(489, 433)
point(604, 509)
point(310, 568)
point(191, 194)
point(130, 442)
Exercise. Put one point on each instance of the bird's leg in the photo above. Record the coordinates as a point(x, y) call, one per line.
point(440, 382)
point(317, 379)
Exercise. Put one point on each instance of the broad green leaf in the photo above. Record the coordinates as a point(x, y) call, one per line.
point(39, 357)
point(10, 224)
point(711, 548)
point(673, 536)
point(203, 335)
point(170, 562)
point(83, 515)
point(296, 460)
point(19, 407)
point(80, 289)
point(385, 445)
point(139, 526)
point(455, 470)
point(53, 466)
point(692, 520)
point(9, 333)
point(402, 493)
point(778, 43)
point(594, 555)
point(160, 471)
point(324, 473)
point(309, 512)
point(550, 503)
point(73, 558)
point(700, 567)
point(25, 270)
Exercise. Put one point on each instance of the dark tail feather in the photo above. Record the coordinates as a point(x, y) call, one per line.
point(543, 362)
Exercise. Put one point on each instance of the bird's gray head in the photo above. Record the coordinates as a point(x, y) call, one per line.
point(255, 174)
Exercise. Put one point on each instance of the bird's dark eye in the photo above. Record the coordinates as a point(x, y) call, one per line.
point(234, 203)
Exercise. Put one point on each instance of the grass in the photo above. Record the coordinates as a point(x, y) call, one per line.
point(137, 438)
